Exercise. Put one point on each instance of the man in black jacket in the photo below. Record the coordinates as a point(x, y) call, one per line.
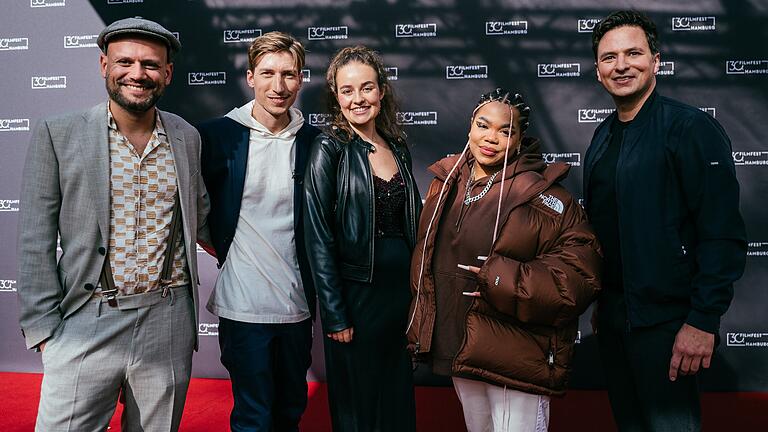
point(661, 191)
point(253, 162)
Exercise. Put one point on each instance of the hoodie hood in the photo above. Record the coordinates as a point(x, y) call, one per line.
point(243, 116)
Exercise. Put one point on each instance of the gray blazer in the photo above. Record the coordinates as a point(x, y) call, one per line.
point(65, 191)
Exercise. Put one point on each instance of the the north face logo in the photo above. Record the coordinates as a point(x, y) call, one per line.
point(552, 202)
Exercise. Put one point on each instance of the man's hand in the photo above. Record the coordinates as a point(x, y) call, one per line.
point(344, 336)
point(693, 349)
point(42, 346)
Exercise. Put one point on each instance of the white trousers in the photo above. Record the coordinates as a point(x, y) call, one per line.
point(490, 408)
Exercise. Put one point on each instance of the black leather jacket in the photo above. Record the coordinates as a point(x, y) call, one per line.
point(339, 218)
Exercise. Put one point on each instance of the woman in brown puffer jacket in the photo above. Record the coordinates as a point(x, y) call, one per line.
point(505, 263)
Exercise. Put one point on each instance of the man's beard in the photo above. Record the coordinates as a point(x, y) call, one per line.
point(138, 107)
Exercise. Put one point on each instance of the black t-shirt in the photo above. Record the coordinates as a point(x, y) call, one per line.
point(602, 208)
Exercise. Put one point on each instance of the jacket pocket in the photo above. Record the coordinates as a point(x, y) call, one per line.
point(681, 264)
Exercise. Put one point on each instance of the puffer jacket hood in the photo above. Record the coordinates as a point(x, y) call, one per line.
point(529, 160)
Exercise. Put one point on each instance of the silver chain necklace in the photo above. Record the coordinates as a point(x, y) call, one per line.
point(468, 199)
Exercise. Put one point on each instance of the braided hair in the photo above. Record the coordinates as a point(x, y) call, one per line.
point(515, 100)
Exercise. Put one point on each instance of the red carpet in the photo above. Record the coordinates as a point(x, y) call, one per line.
point(209, 402)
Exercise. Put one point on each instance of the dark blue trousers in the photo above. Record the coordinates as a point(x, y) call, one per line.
point(636, 366)
point(267, 364)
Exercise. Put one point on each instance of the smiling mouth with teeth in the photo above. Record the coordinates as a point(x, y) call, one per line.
point(137, 86)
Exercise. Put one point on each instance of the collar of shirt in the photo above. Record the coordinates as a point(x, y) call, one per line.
point(158, 134)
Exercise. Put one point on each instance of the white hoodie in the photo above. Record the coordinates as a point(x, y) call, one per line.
point(260, 280)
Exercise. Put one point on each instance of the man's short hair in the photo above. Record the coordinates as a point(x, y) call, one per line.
point(626, 18)
point(275, 42)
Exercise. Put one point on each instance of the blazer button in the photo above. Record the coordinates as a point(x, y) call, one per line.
point(89, 286)
point(102, 251)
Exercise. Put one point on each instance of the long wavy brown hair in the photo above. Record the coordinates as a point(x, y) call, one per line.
point(386, 121)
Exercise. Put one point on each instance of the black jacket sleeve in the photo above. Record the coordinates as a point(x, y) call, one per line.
point(704, 167)
point(319, 231)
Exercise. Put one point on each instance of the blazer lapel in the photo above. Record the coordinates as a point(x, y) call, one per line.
point(95, 141)
point(180, 160)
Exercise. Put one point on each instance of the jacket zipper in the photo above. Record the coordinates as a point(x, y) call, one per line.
point(627, 323)
point(372, 224)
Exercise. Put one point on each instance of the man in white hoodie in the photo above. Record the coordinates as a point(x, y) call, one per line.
point(253, 163)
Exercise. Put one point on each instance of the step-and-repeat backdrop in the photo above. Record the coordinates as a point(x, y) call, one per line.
point(441, 54)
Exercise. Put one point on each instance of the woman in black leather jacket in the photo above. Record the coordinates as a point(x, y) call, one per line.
point(361, 210)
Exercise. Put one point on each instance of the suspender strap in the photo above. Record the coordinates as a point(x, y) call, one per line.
point(166, 273)
point(108, 289)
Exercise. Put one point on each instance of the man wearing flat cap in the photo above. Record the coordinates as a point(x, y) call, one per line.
point(120, 185)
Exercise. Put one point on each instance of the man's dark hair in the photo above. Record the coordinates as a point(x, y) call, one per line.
point(626, 18)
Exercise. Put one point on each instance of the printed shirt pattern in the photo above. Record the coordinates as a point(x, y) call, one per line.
point(142, 198)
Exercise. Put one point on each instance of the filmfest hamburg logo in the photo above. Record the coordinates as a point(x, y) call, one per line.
point(206, 78)
point(558, 70)
point(666, 68)
point(14, 125)
point(80, 41)
point(747, 339)
point(117, 2)
point(207, 329)
point(46, 3)
point(392, 73)
point(13, 44)
point(327, 33)
point(587, 25)
point(415, 118)
point(9, 205)
point(306, 75)
point(236, 36)
point(743, 158)
point(7, 285)
point(709, 110)
point(594, 115)
point(501, 28)
point(319, 119)
point(745, 67)
point(415, 30)
point(466, 72)
point(49, 82)
point(572, 159)
point(757, 249)
point(701, 23)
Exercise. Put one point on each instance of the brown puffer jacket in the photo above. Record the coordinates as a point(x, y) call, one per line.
point(541, 273)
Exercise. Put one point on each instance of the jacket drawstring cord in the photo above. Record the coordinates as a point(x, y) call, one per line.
point(503, 177)
point(426, 236)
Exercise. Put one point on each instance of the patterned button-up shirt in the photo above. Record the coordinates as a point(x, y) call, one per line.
point(142, 198)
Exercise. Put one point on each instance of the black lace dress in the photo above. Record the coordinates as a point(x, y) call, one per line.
point(370, 380)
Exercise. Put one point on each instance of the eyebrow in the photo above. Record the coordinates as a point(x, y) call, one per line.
point(277, 70)
point(634, 48)
point(362, 85)
point(506, 125)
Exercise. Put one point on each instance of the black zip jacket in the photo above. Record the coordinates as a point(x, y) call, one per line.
point(339, 218)
point(683, 241)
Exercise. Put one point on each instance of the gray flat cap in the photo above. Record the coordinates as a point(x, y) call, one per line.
point(138, 26)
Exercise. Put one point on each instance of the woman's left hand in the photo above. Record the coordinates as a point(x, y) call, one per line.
point(474, 270)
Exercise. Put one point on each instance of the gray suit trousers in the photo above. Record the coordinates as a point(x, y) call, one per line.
point(143, 346)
